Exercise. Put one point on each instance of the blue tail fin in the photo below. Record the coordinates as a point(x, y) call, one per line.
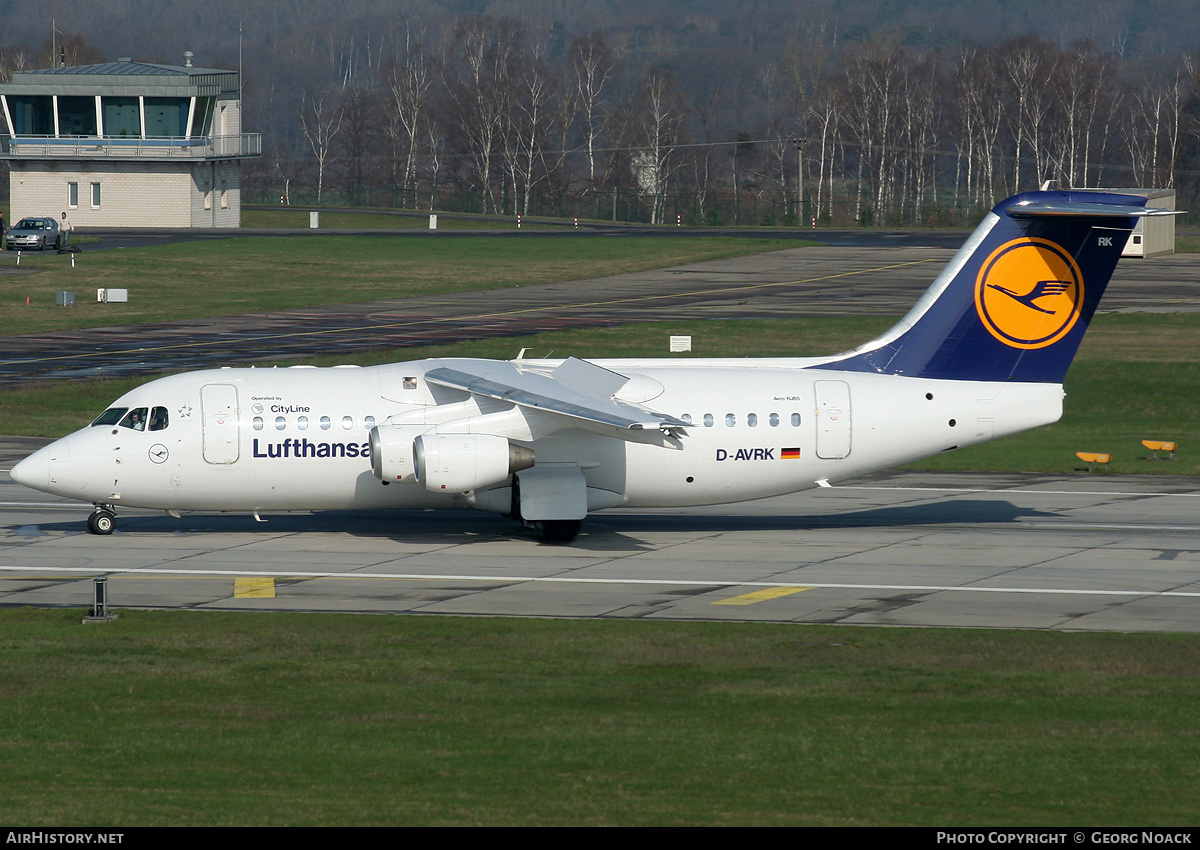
point(1015, 301)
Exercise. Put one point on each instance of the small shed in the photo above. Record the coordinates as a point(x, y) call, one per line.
point(1153, 236)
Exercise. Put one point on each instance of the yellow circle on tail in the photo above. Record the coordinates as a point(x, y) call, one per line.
point(1029, 293)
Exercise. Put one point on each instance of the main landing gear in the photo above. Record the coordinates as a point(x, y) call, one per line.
point(102, 520)
point(558, 530)
point(552, 530)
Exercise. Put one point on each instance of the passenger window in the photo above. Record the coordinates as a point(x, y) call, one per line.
point(708, 420)
point(687, 417)
point(774, 420)
point(135, 419)
point(795, 420)
point(369, 422)
point(325, 423)
point(752, 420)
point(257, 423)
point(730, 420)
point(158, 419)
point(302, 423)
point(111, 416)
point(347, 422)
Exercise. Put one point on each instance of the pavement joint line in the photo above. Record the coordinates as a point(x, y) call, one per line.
point(1019, 490)
point(301, 576)
point(1111, 526)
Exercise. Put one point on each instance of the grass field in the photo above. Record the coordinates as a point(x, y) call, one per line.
point(231, 276)
point(312, 719)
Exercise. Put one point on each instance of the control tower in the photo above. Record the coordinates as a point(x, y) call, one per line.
point(126, 144)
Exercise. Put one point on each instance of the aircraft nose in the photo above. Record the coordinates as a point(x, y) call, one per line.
point(33, 471)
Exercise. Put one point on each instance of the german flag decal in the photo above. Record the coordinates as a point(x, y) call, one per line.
point(789, 454)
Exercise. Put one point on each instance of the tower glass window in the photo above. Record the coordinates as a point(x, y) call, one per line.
point(76, 115)
point(166, 117)
point(121, 116)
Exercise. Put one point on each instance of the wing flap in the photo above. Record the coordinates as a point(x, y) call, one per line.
point(579, 393)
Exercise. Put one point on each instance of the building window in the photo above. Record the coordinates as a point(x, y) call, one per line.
point(224, 199)
point(95, 196)
point(72, 195)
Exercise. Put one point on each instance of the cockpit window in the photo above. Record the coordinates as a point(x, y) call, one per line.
point(158, 419)
point(111, 416)
point(135, 419)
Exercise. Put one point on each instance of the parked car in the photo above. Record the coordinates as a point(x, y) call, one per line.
point(30, 233)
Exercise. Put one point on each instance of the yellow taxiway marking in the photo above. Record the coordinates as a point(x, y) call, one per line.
point(254, 588)
point(761, 595)
point(549, 308)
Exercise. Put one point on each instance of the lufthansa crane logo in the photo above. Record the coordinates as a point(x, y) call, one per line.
point(1029, 293)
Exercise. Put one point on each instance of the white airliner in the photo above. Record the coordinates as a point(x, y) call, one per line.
point(981, 355)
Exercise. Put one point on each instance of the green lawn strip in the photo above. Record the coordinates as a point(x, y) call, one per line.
point(245, 275)
point(322, 719)
point(1134, 380)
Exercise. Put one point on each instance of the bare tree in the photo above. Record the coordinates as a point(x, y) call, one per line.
point(528, 123)
point(321, 120)
point(658, 120)
point(478, 78)
point(408, 85)
point(591, 64)
point(873, 93)
point(1030, 65)
point(1085, 98)
point(981, 113)
point(358, 137)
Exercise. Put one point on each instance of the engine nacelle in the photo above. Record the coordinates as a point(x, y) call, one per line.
point(392, 451)
point(460, 462)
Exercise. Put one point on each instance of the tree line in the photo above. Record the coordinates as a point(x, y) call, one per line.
point(499, 116)
point(524, 115)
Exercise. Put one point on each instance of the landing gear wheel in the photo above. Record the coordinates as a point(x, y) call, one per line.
point(102, 522)
point(560, 530)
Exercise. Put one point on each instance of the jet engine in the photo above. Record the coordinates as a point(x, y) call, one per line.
point(460, 462)
point(392, 451)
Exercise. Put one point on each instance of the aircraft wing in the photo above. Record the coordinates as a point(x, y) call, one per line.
point(575, 389)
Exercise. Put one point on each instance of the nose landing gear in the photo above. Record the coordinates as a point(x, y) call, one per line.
point(102, 520)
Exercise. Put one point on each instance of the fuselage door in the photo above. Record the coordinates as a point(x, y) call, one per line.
point(833, 419)
point(219, 406)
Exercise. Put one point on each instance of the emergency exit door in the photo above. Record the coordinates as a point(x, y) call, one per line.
point(219, 411)
point(833, 419)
